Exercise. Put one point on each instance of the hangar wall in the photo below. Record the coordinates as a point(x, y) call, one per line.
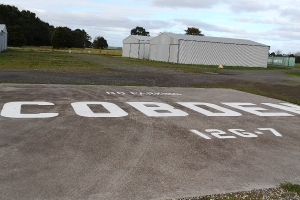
point(187, 49)
point(3, 37)
point(208, 53)
point(136, 46)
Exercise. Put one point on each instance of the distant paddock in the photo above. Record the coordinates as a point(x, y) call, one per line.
point(114, 52)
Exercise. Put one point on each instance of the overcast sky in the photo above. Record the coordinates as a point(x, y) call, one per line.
point(274, 23)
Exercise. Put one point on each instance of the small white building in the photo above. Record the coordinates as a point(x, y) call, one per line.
point(190, 49)
point(136, 46)
point(3, 37)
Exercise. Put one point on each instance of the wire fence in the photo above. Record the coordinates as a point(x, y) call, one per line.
point(282, 61)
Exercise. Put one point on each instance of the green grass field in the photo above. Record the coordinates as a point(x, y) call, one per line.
point(292, 73)
point(36, 52)
point(45, 60)
point(114, 52)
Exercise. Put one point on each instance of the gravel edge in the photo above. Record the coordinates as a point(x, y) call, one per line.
point(265, 194)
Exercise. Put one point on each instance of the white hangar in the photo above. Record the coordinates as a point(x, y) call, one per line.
point(190, 49)
point(136, 46)
point(3, 37)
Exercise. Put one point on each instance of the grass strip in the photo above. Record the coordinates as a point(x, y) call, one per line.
point(56, 61)
point(295, 188)
point(282, 92)
point(284, 191)
point(293, 73)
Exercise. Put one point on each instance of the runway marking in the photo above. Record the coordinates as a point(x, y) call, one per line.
point(220, 134)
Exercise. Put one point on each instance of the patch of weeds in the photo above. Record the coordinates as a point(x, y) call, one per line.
point(274, 67)
point(194, 68)
point(291, 187)
point(281, 92)
point(294, 73)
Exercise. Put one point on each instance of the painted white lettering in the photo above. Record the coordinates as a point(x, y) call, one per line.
point(134, 93)
point(151, 109)
point(201, 134)
point(272, 130)
point(113, 93)
point(195, 106)
point(219, 134)
point(285, 106)
point(82, 109)
point(242, 133)
point(254, 110)
point(13, 110)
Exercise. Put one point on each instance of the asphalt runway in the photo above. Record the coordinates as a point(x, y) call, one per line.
point(116, 142)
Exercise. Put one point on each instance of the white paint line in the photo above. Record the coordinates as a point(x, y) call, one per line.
point(201, 134)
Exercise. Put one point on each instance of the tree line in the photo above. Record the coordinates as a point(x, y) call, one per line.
point(141, 31)
point(25, 28)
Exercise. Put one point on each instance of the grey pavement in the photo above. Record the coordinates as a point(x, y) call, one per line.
point(116, 142)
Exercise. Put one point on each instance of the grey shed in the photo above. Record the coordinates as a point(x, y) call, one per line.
point(190, 49)
point(136, 46)
point(3, 37)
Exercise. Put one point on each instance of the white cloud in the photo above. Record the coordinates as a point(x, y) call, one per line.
point(208, 26)
point(234, 5)
point(269, 22)
point(251, 6)
point(186, 3)
point(292, 13)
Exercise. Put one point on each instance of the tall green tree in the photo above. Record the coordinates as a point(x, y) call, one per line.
point(62, 38)
point(272, 54)
point(80, 39)
point(35, 31)
point(100, 43)
point(279, 53)
point(193, 31)
point(25, 28)
point(139, 31)
point(9, 15)
point(16, 37)
point(297, 56)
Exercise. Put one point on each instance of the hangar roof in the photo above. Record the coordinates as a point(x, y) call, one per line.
point(214, 39)
point(137, 39)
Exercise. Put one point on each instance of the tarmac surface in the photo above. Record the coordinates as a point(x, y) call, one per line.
point(126, 142)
